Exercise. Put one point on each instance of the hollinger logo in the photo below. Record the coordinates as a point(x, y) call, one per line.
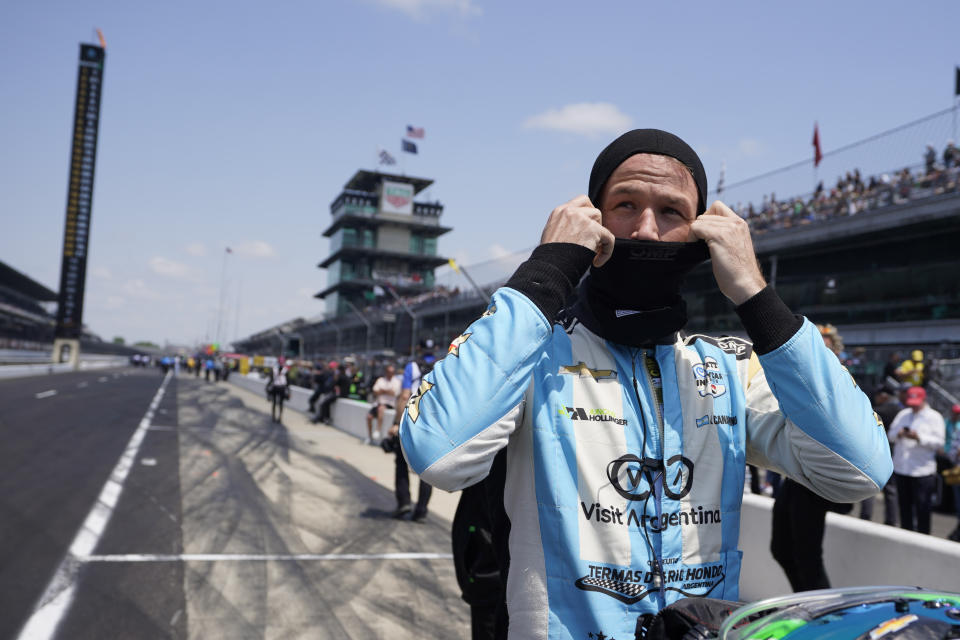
point(398, 196)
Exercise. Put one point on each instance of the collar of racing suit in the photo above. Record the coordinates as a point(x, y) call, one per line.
point(618, 308)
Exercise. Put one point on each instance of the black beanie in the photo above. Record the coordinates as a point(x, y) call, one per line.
point(647, 141)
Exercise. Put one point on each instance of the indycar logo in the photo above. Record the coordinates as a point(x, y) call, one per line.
point(708, 378)
point(582, 370)
point(413, 405)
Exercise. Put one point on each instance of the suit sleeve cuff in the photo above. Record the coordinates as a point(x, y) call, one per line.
point(768, 321)
point(550, 275)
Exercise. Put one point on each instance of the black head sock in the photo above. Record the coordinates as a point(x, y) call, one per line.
point(646, 141)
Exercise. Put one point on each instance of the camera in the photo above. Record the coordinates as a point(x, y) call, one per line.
point(390, 444)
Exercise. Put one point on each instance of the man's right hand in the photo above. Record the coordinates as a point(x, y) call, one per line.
point(579, 222)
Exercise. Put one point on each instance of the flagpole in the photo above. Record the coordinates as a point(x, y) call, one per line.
point(956, 100)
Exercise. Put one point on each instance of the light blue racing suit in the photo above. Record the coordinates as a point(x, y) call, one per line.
point(625, 466)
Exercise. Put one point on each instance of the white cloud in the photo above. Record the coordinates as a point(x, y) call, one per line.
point(420, 8)
point(197, 249)
point(101, 272)
point(169, 268)
point(499, 252)
point(585, 118)
point(255, 249)
point(114, 302)
point(750, 147)
point(138, 289)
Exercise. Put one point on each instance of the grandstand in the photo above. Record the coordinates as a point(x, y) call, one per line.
point(874, 256)
point(27, 321)
point(25, 310)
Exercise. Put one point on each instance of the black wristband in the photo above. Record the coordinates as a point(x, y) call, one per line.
point(550, 274)
point(768, 321)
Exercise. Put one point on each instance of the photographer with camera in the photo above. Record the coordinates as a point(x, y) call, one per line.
point(413, 372)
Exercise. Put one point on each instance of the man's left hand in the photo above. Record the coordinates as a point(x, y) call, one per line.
point(731, 250)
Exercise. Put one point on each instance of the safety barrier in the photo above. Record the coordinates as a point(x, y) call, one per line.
point(86, 362)
point(345, 414)
point(855, 553)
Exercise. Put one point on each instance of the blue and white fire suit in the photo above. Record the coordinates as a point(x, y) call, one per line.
point(625, 466)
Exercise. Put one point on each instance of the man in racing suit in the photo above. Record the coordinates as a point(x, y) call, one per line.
point(625, 441)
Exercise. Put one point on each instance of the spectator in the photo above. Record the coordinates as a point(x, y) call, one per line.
point(330, 390)
point(413, 374)
point(799, 518)
point(930, 159)
point(953, 453)
point(952, 425)
point(912, 371)
point(385, 392)
point(917, 433)
point(476, 558)
point(886, 405)
point(890, 374)
point(278, 389)
point(952, 449)
point(951, 155)
point(318, 380)
point(357, 388)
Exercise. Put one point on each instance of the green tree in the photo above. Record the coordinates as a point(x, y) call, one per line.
point(119, 340)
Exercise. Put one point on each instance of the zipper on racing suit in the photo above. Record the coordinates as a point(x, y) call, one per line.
point(653, 394)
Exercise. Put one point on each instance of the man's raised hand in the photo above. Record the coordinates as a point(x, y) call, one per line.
point(731, 250)
point(578, 221)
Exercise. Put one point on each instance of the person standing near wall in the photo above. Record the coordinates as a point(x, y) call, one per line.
point(916, 433)
point(385, 392)
point(413, 374)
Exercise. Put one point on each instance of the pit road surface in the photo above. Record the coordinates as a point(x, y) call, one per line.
point(227, 526)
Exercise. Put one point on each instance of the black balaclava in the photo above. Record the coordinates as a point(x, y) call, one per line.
point(634, 299)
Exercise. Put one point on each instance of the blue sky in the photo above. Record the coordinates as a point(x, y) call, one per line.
point(237, 123)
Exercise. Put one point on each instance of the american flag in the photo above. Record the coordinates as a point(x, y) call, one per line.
point(415, 132)
point(386, 158)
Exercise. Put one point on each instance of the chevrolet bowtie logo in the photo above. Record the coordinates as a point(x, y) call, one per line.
point(582, 370)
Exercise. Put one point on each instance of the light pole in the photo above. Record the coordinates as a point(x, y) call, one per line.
point(365, 321)
point(223, 274)
point(413, 319)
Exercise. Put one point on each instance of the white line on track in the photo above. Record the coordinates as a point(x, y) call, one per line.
point(102, 379)
point(254, 557)
point(81, 385)
point(55, 602)
point(46, 394)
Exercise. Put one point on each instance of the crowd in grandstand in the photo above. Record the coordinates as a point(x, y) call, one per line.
point(852, 194)
point(439, 292)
